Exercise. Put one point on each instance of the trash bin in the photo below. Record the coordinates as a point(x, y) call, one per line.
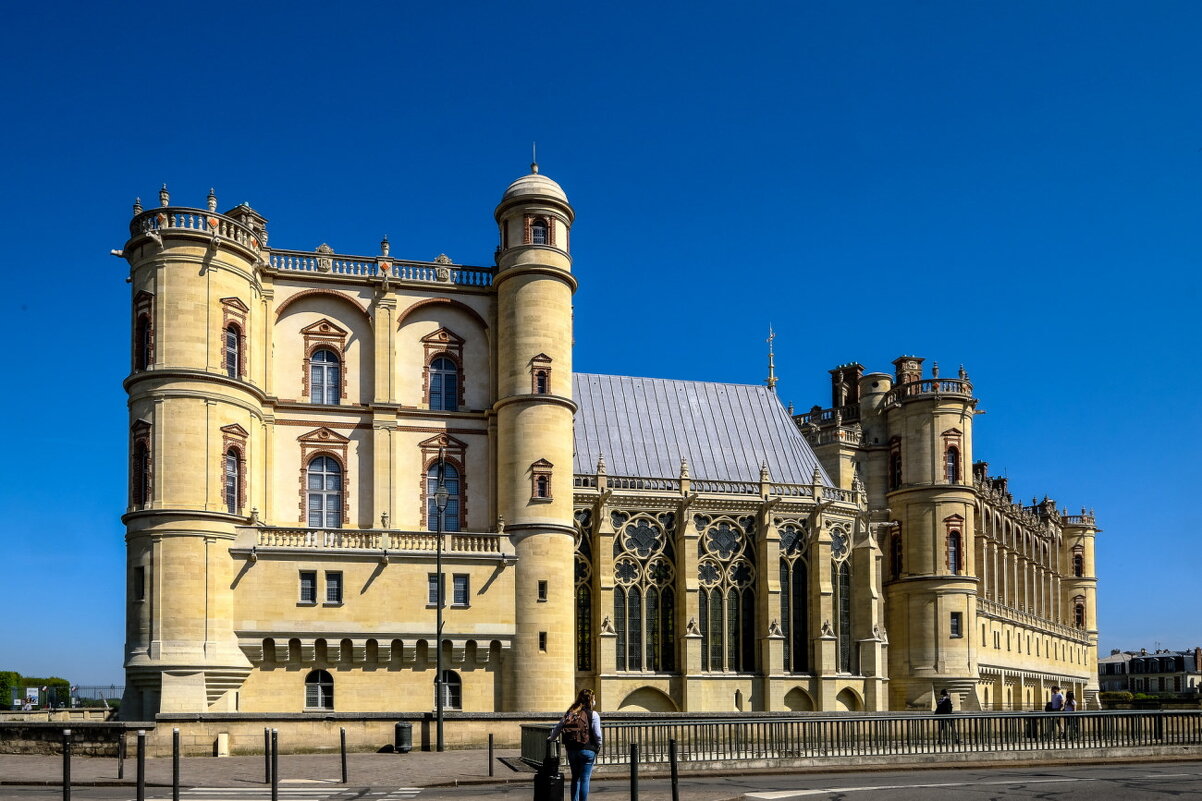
point(402, 741)
point(548, 781)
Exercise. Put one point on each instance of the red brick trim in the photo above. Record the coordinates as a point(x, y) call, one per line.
point(140, 434)
point(234, 437)
point(143, 308)
point(540, 480)
point(324, 335)
point(456, 455)
point(443, 342)
point(308, 293)
point(323, 442)
point(421, 304)
point(540, 366)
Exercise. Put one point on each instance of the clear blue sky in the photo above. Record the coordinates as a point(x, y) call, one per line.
point(1015, 186)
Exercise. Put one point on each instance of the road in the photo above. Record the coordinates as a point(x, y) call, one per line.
point(1122, 782)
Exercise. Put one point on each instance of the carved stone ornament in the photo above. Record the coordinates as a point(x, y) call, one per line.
point(879, 634)
point(324, 262)
point(691, 628)
point(827, 629)
point(774, 629)
point(443, 259)
point(607, 626)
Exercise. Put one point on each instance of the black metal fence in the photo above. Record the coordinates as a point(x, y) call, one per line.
point(785, 738)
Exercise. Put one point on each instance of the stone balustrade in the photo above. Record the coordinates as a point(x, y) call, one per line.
point(382, 540)
point(364, 266)
point(929, 388)
point(1023, 618)
point(197, 221)
point(712, 487)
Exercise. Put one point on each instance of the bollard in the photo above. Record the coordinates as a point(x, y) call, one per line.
point(175, 765)
point(342, 737)
point(634, 772)
point(490, 736)
point(141, 765)
point(275, 765)
point(675, 772)
point(121, 754)
point(66, 765)
point(266, 756)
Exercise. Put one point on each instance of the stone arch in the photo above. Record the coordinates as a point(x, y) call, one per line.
point(798, 700)
point(308, 293)
point(647, 699)
point(463, 307)
point(848, 700)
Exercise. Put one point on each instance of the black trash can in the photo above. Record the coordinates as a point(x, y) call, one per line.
point(402, 741)
point(548, 782)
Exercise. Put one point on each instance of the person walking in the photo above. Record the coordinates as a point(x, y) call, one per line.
point(1070, 705)
point(946, 726)
point(581, 730)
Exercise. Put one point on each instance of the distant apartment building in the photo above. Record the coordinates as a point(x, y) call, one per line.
point(1161, 671)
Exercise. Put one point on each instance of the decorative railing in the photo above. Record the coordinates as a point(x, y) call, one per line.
point(929, 387)
point(711, 487)
point(210, 223)
point(1079, 520)
point(851, 436)
point(401, 270)
point(840, 736)
point(379, 540)
point(848, 413)
point(988, 607)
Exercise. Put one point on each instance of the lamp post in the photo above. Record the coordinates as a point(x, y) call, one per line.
point(440, 504)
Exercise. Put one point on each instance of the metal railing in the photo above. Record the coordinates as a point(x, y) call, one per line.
point(794, 737)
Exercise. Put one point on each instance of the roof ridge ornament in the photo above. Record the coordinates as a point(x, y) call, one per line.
point(771, 360)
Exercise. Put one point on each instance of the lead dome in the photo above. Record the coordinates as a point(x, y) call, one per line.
point(534, 184)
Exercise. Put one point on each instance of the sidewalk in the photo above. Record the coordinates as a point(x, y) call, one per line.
point(415, 769)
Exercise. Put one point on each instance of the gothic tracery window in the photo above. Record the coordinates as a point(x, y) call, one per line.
point(841, 582)
point(726, 601)
point(645, 595)
point(794, 594)
point(584, 589)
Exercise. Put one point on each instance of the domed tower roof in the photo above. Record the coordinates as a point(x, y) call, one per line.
point(534, 185)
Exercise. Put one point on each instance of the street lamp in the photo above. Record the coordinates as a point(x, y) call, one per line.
point(440, 504)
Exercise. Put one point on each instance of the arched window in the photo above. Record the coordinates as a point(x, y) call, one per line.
point(233, 351)
point(895, 468)
point(1078, 565)
point(140, 480)
point(954, 553)
point(726, 602)
point(325, 493)
point(450, 516)
point(444, 385)
point(325, 377)
point(319, 690)
point(795, 596)
point(541, 382)
point(142, 342)
point(542, 486)
point(952, 465)
point(452, 690)
point(233, 480)
point(538, 231)
point(841, 582)
point(584, 589)
point(645, 598)
point(1079, 612)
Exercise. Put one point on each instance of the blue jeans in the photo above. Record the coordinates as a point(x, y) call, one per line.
point(581, 760)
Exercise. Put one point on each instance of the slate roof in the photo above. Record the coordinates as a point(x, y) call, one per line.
point(645, 425)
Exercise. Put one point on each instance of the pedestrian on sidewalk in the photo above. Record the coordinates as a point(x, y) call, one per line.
point(1070, 705)
point(581, 730)
point(946, 726)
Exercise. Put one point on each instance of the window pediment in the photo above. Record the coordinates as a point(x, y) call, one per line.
point(444, 337)
point(323, 328)
point(323, 436)
point(235, 430)
point(443, 441)
point(235, 304)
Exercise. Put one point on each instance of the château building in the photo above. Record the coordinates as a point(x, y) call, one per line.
point(676, 545)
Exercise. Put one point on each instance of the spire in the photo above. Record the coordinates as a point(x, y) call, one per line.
point(534, 157)
point(212, 199)
point(771, 360)
point(601, 464)
point(164, 196)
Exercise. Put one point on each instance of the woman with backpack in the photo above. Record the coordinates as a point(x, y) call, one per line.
point(581, 730)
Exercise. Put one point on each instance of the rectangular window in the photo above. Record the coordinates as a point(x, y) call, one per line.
point(542, 590)
point(308, 586)
point(542, 641)
point(333, 586)
point(459, 589)
point(957, 624)
point(139, 584)
point(432, 590)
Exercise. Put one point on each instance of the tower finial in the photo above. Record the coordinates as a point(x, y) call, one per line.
point(534, 157)
point(771, 359)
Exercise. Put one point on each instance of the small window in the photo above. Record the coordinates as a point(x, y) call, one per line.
point(542, 590)
point(139, 583)
point(141, 474)
point(142, 342)
point(538, 232)
point(540, 480)
point(895, 468)
point(542, 486)
point(325, 377)
point(319, 690)
point(444, 385)
point(1078, 565)
point(233, 480)
point(957, 626)
point(432, 589)
point(542, 641)
point(459, 589)
point(952, 465)
point(542, 382)
point(1079, 614)
point(308, 586)
point(897, 553)
point(233, 351)
point(452, 690)
point(954, 555)
point(333, 586)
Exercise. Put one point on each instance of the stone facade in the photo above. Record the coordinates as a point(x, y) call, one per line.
point(290, 412)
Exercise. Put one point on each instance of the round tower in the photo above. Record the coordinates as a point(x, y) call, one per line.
point(195, 417)
point(534, 412)
point(930, 576)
